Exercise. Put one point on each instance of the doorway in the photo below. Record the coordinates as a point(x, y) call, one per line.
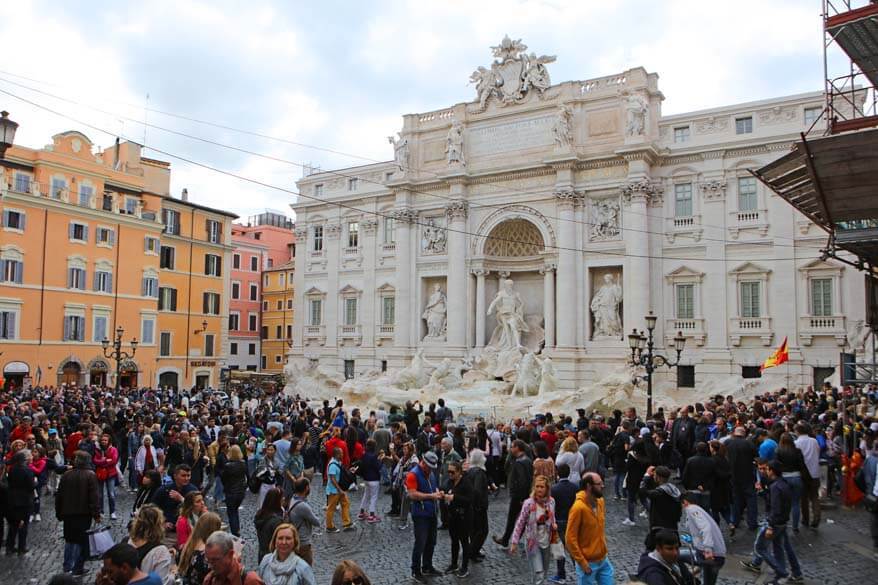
point(169, 380)
point(14, 374)
point(70, 374)
point(202, 381)
point(820, 376)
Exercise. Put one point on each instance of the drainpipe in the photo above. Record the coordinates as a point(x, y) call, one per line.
point(189, 294)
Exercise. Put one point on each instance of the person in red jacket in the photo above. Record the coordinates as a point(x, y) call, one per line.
point(22, 430)
point(73, 441)
point(105, 459)
point(336, 441)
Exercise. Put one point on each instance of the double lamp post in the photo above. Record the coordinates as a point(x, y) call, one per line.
point(117, 353)
point(643, 354)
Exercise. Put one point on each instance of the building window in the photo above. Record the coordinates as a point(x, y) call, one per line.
point(681, 134)
point(213, 265)
point(252, 322)
point(22, 182)
point(105, 236)
point(263, 363)
point(750, 299)
point(812, 115)
point(685, 301)
point(264, 305)
point(289, 304)
point(744, 125)
point(353, 183)
point(11, 271)
point(74, 328)
point(78, 232)
point(315, 313)
point(270, 263)
point(13, 220)
point(150, 286)
point(318, 190)
point(251, 349)
point(383, 365)
point(318, 238)
point(254, 292)
point(751, 372)
point(7, 324)
point(234, 321)
point(685, 376)
point(353, 234)
point(58, 188)
point(210, 303)
point(236, 261)
point(76, 278)
point(281, 277)
point(233, 348)
point(236, 290)
point(348, 369)
point(166, 257)
point(289, 332)
point(350, 312)
point(277, 358)
point(388, 310)
point(214, 231)
point(99, 328)
point(103, 281)
point(254, 264)
point(208, 344)
point(130, 205)
point(171, 220)
point(85, 194)
point(747, 194)
point(683, 200)
point(821, 297)
point(266, 279)
point(280, 305)
point(263, 332)
point(151, 245)
point(278, 332)
point(165, 343)
point(167, 298)
point(147, 330)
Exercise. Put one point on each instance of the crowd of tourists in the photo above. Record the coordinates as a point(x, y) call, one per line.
point(190, 459)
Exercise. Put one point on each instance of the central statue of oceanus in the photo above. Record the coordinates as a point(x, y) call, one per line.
point(508, 309)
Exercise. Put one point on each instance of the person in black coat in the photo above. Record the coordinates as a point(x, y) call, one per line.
point(477, 475)
point(233, 474)
point(21, 481)
point(459, 499)
point(683, 434)
point(742, 459)
point(564, 493)
point(721, 494)
point(664, 501)
point(521, 475)
point(700, 473)
point(661, 566)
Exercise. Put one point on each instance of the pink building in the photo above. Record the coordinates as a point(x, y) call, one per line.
point(266, 241)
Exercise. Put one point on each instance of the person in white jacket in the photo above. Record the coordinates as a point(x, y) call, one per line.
point(707, 539)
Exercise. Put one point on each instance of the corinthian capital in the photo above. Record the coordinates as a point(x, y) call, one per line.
point(301, 233)
point(642, 189)
point(456, 210)
point(405, 215)
point(567, 196)
point(369, 226)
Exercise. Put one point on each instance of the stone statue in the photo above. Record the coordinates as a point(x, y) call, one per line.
point(434, 239)
point(454, 144)
point(605, 308)
point(486, 82)
point(434, 314)
point(446, 374)
point(537, 74)
point(548, 378)
point(417, 374)
point(527, 380)
point(562, 129)
point(400, 151)
point(636, 110)
point(604, 219)
point(512, 74)
point(509, 309)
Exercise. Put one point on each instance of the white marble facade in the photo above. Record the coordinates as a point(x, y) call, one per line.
point(591, 202)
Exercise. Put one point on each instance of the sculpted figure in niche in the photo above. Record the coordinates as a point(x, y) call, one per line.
point(636, 109)
point(400, 151)
point(454, 144)
point(562, 130)
point(605, 220)
point(508, 309)
point(434, 314)
point(605, 308)
point(434, 239)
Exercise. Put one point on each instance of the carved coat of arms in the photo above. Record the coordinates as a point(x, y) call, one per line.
point(512, 75)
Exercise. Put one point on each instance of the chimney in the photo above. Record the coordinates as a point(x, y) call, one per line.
point(184, 196)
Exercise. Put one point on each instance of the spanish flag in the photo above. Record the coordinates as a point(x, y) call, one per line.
point(780, 355)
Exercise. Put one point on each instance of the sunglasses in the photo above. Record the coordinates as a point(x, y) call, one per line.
point(354, 581)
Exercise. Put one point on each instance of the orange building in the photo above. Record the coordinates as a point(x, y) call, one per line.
point(277, 316)
point(81, 255)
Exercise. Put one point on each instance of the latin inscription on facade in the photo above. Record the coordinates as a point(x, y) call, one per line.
point(511, 136)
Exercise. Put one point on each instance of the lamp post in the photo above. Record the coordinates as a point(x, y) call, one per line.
point(643, 354)
point(7, 132)
point(117, 353)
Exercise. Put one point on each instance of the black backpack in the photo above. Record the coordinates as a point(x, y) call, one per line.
point(346, 477)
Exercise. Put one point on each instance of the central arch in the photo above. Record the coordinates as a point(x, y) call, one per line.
point(514, 212)
point(514, 238)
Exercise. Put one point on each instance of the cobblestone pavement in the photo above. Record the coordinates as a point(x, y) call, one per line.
point(839, 553)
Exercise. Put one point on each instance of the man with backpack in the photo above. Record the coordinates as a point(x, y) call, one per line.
point(339, 480)
point(423, 491)
point(300, 515)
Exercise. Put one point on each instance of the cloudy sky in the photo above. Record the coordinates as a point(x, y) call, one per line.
point(338, 75)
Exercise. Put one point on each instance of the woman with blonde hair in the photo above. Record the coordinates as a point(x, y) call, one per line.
point(146, 534)
point(349, 573)
point(282, 566)
point(536, 523)
point(191, 509)
point(570, 455)
point(193, 567)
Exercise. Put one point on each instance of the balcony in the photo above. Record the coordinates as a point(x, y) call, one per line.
point(751, 327)
point(316, 253)
point(832, 326)
point(314, 334)
point(383, 332)
point(756, 219)
point(352, 251)
point(352, 332)
point(691, 328)
point(688, 225)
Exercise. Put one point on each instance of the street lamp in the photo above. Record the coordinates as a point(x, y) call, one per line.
point(7, 132)
point(203, 328)
point(117, 353)
point(643, 354)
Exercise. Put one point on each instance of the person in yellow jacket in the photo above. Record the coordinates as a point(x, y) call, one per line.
point(586, 540)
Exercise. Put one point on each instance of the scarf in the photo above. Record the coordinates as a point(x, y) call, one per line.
point(279, 572)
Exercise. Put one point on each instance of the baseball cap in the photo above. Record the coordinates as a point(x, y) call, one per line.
point(644, 431)
point(431, 460)
point(53, 431)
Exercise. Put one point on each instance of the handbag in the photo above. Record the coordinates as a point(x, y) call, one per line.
point(103, 473)
point(100, 540)
point(870, 502)
point(556, 547)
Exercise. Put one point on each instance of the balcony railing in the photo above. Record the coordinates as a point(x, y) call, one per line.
point(389, 248)
point(826, 326)
point(751, 327)
point(385, 330)
point(693, 328)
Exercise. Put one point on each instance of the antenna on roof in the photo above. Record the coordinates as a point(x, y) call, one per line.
point(145, 110)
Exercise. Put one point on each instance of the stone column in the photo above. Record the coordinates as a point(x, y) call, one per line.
point(367, 309)
point(456, 220)
point(548, 273)
point(300, 314)
point(480, 307)
point(332, 232)
point(405, 321)
point(566, 203)
point(636, 286)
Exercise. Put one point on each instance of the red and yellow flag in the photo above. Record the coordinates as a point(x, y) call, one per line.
point(780, 355)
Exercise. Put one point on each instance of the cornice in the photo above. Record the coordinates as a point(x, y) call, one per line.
point(72, 209)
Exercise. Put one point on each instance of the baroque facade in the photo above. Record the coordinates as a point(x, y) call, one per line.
point(597, 208)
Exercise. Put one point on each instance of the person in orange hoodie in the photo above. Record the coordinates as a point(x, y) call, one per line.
point(586, 539)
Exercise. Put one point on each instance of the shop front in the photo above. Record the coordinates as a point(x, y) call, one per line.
point(14, 374)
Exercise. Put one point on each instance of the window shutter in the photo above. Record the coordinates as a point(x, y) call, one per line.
point(143, 285)
point(97, 281)
point(219, 266)
point(10, 325)
point(70, 231)
point(204, 303)
point(5, 218)
point(66, 328)
point(207, 263)
point(173, 299)
point(85, 233)
point(80, 334)
point(18, 270)
point(22, 220)
point(112, 237)
point(109, 282)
